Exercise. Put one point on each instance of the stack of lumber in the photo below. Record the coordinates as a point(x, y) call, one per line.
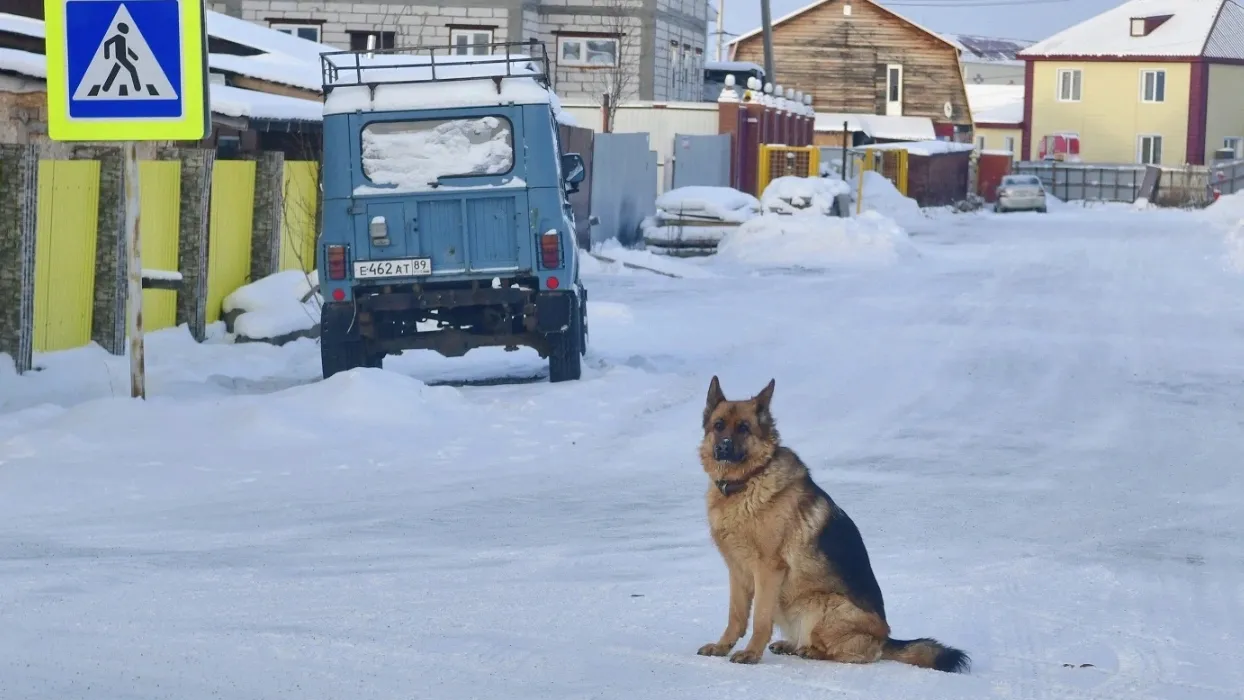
point(691, 221)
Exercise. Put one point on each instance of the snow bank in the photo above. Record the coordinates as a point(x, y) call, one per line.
point(412, 156)
point(811, 240)
point(881, 196)
point(370, 394)
point(702, 202)
point(272, 307)
point(1227, 212)
point(790, 194)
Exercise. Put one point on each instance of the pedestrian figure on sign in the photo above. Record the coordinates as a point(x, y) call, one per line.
point(116, 50)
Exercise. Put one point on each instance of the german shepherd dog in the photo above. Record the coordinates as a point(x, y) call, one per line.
point(792, 551)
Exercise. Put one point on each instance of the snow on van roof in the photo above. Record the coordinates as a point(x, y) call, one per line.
point(461, 81)
point(355, 68)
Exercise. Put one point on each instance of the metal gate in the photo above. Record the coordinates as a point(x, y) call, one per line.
point(624, 185)
point(699, 160)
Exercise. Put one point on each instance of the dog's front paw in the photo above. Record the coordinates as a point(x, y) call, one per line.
point(782, 647)
point(714, 649)
point(747, 656)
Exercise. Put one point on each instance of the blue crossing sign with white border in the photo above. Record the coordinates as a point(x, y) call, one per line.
point(128, 70)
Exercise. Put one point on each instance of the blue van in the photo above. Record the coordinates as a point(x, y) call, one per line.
point(446, 224)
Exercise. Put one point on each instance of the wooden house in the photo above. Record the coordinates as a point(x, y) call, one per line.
point(857, 57)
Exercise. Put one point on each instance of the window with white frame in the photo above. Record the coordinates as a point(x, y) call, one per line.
point(310, 32)
point(1009, 144)
point(673, 62)
point(470, 41)
point(587, 51)
point(684, 64)
point(980, 143)
point(1236, 144)
point(1149, 150)
point(1153, 86)
point(1070, 81)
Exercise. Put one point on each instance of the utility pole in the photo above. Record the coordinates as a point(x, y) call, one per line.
point(766, 27)
point(721, 28)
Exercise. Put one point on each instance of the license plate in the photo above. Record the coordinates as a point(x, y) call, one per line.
point(406, 267)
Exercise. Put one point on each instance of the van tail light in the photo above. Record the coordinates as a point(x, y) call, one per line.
point(551, 250)
point(336, 256)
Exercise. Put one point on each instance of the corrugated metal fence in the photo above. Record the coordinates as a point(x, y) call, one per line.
point(1193, 185)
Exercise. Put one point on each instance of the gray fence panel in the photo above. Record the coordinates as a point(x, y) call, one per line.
point(701, 160)
point(624, 185)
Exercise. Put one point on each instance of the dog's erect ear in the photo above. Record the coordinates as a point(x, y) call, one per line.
point(715, 398)
point(765, 397)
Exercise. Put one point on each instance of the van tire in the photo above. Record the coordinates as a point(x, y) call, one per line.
point(566, 348)
point(345, 356)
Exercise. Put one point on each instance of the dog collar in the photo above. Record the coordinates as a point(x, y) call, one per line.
point(729, 487)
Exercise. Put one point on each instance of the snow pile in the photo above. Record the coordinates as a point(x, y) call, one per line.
point(273, 309)
point(724, 204)
point(350, 91)
point(812, 240)
point(370, 394)
point(790, 195)
point(412, 156)
point(1226, 213)
point(881, 196)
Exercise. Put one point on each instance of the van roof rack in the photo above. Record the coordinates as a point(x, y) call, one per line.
point(420, 64)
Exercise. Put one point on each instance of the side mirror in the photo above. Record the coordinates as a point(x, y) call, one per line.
point(572, 166)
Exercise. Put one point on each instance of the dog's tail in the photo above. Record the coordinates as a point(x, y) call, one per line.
point(926, 653)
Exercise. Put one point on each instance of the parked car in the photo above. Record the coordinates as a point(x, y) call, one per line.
point(1020, 193)
point(446, 223)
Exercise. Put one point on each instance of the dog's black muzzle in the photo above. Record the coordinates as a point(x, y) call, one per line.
point(727, 451)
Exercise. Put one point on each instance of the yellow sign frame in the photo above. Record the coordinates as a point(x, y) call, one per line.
point(192, 125)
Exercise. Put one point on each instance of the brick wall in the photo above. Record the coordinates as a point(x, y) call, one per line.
point(413, 24)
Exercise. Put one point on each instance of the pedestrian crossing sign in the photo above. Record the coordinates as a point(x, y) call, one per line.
point(126, 70)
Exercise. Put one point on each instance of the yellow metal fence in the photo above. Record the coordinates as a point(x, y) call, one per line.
point(783, 161)
point(66, 236)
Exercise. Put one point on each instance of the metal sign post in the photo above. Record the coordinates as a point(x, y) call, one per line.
point(127, 70)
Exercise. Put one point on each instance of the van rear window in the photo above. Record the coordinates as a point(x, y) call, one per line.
point(415, 154)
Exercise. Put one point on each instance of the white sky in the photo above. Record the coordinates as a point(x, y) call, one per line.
point(1016, 19)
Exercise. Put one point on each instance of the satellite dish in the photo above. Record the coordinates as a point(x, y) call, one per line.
point(948, 109)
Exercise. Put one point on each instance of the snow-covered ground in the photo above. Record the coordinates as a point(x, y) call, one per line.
point(1035, 421)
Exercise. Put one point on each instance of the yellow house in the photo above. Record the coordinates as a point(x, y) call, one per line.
point(998, 117)
point(1150, 81)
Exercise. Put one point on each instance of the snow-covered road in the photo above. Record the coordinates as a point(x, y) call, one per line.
point(1034, 420)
